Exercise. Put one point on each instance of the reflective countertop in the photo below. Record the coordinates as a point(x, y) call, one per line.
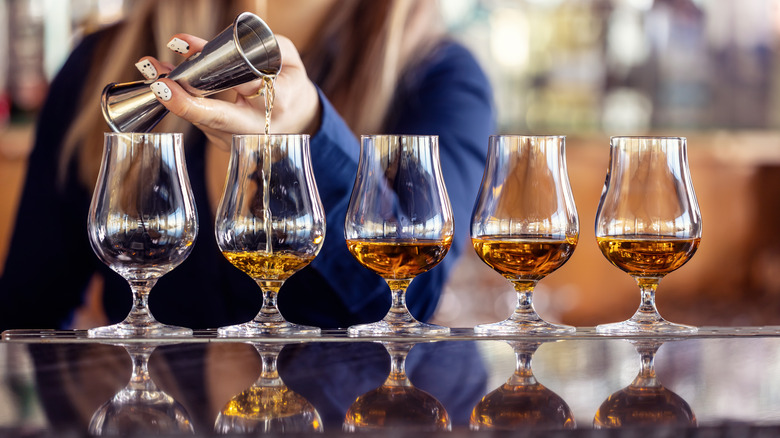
point(720, 382)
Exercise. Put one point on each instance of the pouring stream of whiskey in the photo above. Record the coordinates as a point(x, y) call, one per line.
point(269, 94)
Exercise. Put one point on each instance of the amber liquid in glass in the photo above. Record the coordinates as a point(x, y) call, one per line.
point(641, 406)
point(513, 407)
point(527, 258)
point(403, 407)
point(267, 403)
point(399, 260)
point(261, 265)
point(648, 256)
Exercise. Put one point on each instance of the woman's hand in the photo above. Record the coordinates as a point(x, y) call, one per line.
point(240, 110)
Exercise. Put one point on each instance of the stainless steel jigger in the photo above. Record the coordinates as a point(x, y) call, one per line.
point(245, 51)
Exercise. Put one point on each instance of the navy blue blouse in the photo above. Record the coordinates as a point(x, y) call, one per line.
point(50, 260)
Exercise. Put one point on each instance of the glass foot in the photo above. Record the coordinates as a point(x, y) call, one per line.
point(630, 327)
point(253, 328)
point(514, 327)
point(410, 328)
point(152, 330)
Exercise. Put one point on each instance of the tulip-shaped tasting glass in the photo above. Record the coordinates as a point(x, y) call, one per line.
point(648, 222)
point(270, 222)
point(140, 408)
point(142, 221)
point(399, 222)
point(522, 402)
point(645, 402)
point(268, 406)
point(525, 223)
point(397, 404)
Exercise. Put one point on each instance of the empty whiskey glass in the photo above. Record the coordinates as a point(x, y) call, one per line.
point(142, 221)
point(140, 408)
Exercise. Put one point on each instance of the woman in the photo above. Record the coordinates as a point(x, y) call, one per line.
point(365, 67)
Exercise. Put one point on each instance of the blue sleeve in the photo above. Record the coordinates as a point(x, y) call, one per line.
point(449, 96)
point(361, 295)
point(50, 260)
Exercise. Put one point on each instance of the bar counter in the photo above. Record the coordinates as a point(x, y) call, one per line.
point(721, 382)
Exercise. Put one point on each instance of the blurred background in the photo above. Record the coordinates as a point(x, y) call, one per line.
point(587, 69)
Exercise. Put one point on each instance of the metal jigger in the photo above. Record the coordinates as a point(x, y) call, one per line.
point(245, 51)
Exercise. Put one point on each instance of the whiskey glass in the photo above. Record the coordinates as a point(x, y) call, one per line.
point(140, 408)
point(522, 401)
point(397, 404)
point(270, 222)
point(268, 406)
point(648, 222)
point(142, 221)
point(645, 402)
point(399, 222)
point(525, 223)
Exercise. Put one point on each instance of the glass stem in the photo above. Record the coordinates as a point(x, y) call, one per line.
point(140, 314)
point(269, 313)
point(523, 375)
point(398, 312)
point(140, 380)
point(646, 377)
point(398, 353)
point(524, 311)
point(269, 374)
point(647, 312)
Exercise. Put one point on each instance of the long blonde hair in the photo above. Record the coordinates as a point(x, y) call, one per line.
point(374, 42)
point(361, 52)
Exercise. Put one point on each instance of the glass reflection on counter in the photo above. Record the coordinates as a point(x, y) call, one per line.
point(645, 401)
point(522, 402)
point(397, 404)
point(140, 407)
point(333, 375)
point(218, 385)
point(59, 387)
point(268, 405)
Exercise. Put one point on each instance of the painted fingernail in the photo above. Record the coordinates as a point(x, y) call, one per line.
point(179, 46)
point(147, 69)
point(161, 90)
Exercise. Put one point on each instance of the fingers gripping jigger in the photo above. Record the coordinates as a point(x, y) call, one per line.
point(244, 51)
